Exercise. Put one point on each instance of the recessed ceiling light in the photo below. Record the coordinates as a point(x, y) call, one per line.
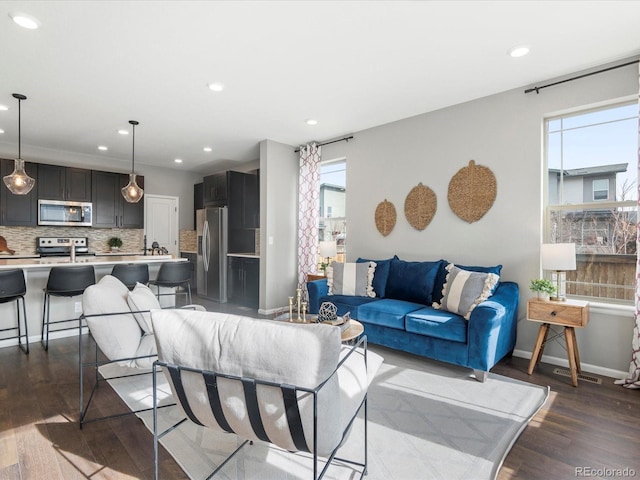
point(123, 132)
point(1, 131)
point(208, 149)
point(311, 121)
point(519, 51)
point(25, 21)
point(4, 108)
point(178, 160)
point(216, 86)
point(104, 148)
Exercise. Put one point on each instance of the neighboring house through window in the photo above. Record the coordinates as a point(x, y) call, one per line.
point(333, 220)
point(592, 198)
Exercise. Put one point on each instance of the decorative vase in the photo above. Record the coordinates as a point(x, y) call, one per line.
point(544, 296)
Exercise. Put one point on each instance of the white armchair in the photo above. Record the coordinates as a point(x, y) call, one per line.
point(120, 324)
point(295, 386)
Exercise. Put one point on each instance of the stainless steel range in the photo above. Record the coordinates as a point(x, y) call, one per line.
point(61, 246)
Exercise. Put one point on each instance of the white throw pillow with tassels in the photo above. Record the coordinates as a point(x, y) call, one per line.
point(351, 279)
point(464, 290)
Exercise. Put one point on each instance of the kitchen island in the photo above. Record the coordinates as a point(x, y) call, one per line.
point(36, 272)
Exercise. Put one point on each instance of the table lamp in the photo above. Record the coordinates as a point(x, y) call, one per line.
point(559, 257)
point(327, 250)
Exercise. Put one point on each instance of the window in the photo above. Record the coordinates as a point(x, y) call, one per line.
point(600, 190)
point(333, 221)
point(592, 198)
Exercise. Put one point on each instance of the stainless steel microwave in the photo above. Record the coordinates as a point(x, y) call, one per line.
point(63, 213)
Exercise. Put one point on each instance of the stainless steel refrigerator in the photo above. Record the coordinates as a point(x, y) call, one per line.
point(211, 228)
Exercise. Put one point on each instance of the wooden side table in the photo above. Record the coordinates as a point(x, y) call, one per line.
point(569, 314)
point(312, 276)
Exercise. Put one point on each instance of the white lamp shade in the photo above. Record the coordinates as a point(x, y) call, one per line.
point(558, 256)
point(328, 248)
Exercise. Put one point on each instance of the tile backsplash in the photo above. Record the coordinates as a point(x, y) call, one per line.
point(188, 241)
point(23, 239)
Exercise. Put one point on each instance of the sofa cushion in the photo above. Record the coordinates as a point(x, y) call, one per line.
point(118, 336)
point(351, 279)
point(438, 324)
point(497, 269)
point(412, 281)
point(140, 299)
point(464, 290)
point(347, 303)
point(387, 312)
point(380, 275)
point(441, 278)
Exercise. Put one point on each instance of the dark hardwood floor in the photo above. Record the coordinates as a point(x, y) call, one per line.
point(592, 426)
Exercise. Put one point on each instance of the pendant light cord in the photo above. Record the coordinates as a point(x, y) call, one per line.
point(19, 128)
point(133, 149)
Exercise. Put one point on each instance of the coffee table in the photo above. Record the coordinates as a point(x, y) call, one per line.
point(350, 334)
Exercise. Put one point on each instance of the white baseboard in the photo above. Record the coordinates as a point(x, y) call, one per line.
point(563, 362)
point(270, 311)
point(35, 339)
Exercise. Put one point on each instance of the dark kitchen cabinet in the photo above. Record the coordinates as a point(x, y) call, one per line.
point(64, 183)
point(251, 201)
point(110, 209)
point(216, 189)
point(198, 200)
point(243, 286)
point(244, 200)
point(18, 210)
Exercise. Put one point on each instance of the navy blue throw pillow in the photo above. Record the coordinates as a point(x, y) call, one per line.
point(412, 281)
point(380, 276)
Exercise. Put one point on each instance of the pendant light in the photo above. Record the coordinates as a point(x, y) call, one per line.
point(132, 193)
point(19, 183)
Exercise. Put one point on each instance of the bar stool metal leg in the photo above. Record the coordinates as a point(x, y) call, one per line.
point(13, 288)
point(25, 347)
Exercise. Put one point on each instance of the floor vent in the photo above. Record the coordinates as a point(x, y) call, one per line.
point(565, 372)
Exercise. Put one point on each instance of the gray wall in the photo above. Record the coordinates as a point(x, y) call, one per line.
point(504, 133)
point(278, 224)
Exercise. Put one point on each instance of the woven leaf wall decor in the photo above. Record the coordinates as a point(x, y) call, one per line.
point(420, 206)
point(385, 217)
point(472, 192)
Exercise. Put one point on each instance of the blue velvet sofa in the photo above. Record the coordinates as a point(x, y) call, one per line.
point(401, 315)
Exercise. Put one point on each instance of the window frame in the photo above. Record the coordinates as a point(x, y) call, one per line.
point(547, 208)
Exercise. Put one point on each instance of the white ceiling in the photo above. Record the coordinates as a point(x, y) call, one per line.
point(94, 65)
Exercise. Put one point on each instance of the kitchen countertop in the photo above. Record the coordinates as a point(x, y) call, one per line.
point(48, 262)
point(245, 255)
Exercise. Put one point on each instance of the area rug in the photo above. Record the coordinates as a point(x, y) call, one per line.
point(427, 419)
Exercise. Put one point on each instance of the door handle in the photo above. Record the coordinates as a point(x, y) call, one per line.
point(205, 247)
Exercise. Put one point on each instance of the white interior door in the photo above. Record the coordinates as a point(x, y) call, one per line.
point(161, 222)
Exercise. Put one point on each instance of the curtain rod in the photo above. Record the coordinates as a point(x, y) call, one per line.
point(537, 89)
point(343, 139)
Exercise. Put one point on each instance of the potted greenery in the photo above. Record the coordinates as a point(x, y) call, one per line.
point(115, 243)
point(545, 288)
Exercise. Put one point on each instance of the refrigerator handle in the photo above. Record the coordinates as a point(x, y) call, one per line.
point(206, 245)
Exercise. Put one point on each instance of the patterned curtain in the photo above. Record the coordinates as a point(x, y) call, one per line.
point(308, 212)
point(633, 377)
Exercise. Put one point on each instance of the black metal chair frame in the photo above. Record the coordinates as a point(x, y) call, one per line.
point(95, 364)
point(46, 310)
point(293, 414)
point(17, 297)
point(171, 284)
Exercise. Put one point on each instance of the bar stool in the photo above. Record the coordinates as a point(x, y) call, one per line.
point(131, 273)
point(13, 287)
point(64, 282)
point(174, 274)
